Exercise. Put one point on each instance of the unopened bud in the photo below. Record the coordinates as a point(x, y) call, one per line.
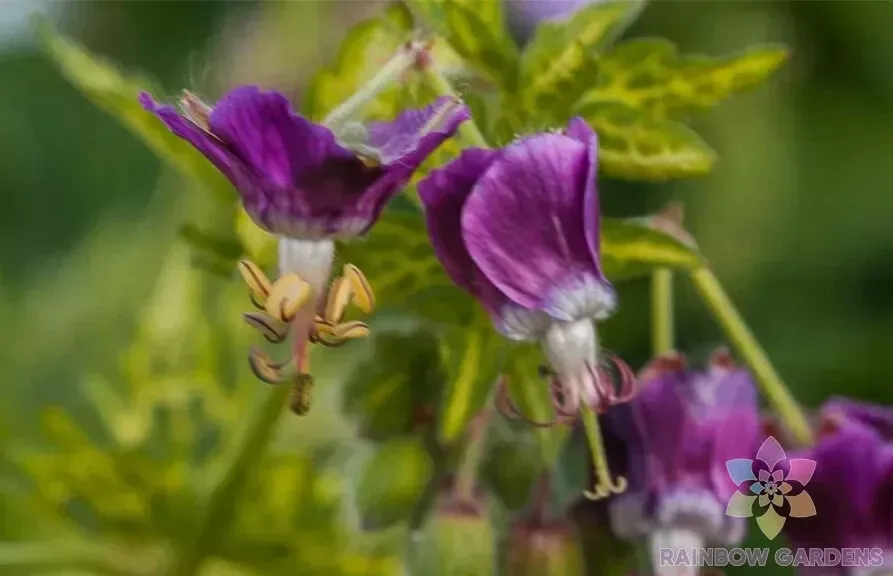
point(457, 540)
point(544, 549)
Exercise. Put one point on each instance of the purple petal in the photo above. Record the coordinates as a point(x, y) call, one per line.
point(522, 222)
point(400, 138)
point(580, 131)
point(771, 452)
point(662, 418)
point(261, 128)
point(878, 417)
point(212, 148)
point(444, 193)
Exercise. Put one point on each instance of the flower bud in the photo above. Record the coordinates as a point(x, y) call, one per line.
point(544, 549)
point(457, 540)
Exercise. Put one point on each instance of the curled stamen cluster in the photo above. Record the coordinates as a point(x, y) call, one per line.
point(280, 302)
point(602, 390)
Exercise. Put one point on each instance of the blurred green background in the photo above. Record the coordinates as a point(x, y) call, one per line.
point(795, 218)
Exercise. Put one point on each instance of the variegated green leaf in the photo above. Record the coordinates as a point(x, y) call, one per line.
point(650, 76)
point(631, 248)
point(117, 93)
point(639, 147)
point(562, 60)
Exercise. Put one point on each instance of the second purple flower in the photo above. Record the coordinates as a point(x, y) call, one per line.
point(518, 228)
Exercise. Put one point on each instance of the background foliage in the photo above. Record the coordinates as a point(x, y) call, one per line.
point(123, 367)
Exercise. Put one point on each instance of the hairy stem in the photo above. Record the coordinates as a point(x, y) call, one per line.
point(401, 63)
point(468, 131)
point(662, 325)
point(467, 473)
point(742, 339)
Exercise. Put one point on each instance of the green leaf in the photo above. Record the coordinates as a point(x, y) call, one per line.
point(392, 481)
point(529, 392)
point(638, 147)
point(368, 46)
point(631, 248)
point(561, 62)
point(401, 381)
point(510, 470)
point(399, 263)
point(649, 75)
point(117, 94)
point(473, 357)
point(475, 30)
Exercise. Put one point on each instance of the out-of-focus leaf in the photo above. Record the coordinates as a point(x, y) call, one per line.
point(117, 94)
point(631, 248)
point(649, 75)
point(639, 147)
point(561, 62)
point(475, 30)
point(529, 391)
point(397, 386)
point(260, 245)
point(399, 263)
point(392, 481)
point(367, 47)
point(510, 469)
point(473, 356)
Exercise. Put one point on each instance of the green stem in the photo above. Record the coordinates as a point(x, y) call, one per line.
point(747, 346)
point(218, 510)
point(470, 463)
point(605, 485)
point(662, 326)
point(401, 63)
point(468, 130)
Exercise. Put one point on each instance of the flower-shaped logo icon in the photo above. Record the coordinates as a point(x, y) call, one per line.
point(771, 488)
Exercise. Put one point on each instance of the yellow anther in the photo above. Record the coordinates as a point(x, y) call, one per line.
point(271, 328)
point(339, 298)
point(287, 296)
point(350, 330)
point(256, 280)
point(363, 296)
point(265, 368)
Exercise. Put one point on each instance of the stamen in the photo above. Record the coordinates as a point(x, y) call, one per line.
point(339, 297)
point(271, 329)
point(287, 296)
point(195, 109)
point(605, 485)
point(301, 394)
point(507, 408)
point(257, 281)
point(351, 330)
point(607, 396)
point(265, 368)
point(363, 296)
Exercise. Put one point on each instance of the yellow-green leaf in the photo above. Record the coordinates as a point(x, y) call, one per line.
point(475, 31)
point(651, 76)
point(367, 47)
point(399, 263)
point(631, 248)
point(529, 392)
point(117, 93)
point(638, 147)
point(472, 356)
point(560, 63)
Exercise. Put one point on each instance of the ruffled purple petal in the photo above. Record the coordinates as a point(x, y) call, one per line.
point(395, 141)
point(878, 417)
point(522, 225)
point(281, 146)
point(580, 131)
point(212, 148)
point(444, 193)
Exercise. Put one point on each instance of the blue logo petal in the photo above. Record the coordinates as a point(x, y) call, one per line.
point(740, 470)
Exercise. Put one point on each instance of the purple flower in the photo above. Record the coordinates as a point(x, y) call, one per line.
point(518, 228)
point(299, 179)
point(524, 16)
point(852, 486)
point(689, 424)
